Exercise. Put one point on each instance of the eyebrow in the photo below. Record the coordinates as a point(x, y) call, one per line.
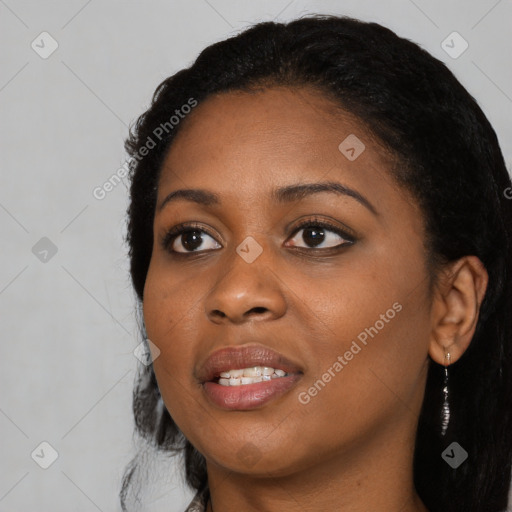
point(280, 195)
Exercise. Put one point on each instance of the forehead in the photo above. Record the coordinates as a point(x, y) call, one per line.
point(272, 135)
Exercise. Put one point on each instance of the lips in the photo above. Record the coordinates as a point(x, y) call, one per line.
point(246, 396)
point(230, 358)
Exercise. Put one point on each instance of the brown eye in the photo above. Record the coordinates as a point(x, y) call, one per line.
point(313, 236)
point(317, 236)
point(188, 240)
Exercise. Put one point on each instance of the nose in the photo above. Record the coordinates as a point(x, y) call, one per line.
point(246, 292)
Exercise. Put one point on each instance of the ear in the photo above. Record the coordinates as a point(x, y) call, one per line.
point(456, 306)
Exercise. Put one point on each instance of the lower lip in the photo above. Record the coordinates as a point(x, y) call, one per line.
point(249, 396)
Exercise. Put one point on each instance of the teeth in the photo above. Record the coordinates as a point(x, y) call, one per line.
point(253, 372)
point(251, 380)
point(241, 377)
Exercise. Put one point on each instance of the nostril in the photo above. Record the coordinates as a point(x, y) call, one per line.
point(258, 309)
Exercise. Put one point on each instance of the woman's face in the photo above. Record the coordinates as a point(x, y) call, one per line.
point(343, 307)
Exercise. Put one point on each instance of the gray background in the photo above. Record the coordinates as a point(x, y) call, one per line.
point(67, 323)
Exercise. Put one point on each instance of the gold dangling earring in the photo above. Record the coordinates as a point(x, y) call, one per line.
point(445, 411)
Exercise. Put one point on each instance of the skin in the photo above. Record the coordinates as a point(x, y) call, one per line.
point(351, 447)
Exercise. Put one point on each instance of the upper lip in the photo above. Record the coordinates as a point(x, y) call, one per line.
point(246, 356)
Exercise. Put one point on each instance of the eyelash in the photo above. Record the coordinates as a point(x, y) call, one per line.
point(176, 231)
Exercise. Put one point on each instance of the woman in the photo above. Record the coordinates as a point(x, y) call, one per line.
point(320, 241)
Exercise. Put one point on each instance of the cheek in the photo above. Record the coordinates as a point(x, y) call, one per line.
point(370, 374)
point(368, 351)
point(168, 324)
point(169, 309)
point(169, 304)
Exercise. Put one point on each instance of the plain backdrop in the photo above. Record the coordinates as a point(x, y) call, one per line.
point(67, 319)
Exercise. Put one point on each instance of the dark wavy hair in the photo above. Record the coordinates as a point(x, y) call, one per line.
point(447, 156)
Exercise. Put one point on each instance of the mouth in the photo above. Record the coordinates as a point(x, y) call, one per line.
point(247, 377)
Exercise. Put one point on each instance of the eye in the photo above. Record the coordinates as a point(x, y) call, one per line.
point(320, 235)
point(187, 239)
point(316, 234)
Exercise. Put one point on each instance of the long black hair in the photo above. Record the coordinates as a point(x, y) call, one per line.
point(447, 156)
